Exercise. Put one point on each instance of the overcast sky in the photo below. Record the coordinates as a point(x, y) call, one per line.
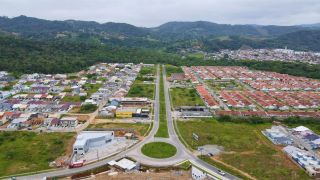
point(149, 13)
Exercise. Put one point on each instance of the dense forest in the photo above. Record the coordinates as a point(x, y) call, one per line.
point(57, 56)
point(171, 36)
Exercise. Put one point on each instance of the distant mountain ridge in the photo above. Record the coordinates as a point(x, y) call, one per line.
point(28, 26)
point(193, 30)
point(171, 36)
point(171, 30)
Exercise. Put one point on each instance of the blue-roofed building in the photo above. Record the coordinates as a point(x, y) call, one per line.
point(114, 103)
point(311, 137)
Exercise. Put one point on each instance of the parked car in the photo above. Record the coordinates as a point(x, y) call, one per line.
point(221, 172)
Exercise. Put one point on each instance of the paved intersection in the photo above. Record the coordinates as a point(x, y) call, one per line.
point(135, 151)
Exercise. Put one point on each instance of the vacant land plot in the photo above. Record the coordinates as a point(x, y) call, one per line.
point(141, 90)
point(27, 151)
point(159, 150)
point(148, 70)
point(146, 74)
point(137, 127)
point(246, 149)
point(173, 69)
point(185, 97)
point(91, 88)
point(225, 85)
point(172, 175)
point(75, 98)
point(88, 108)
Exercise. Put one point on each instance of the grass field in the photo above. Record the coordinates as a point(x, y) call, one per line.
point(159, 150)
point(208, 160)
point(88, 108)
point(246, 148)
point(138, 127)
point(141, 90)
point(185, 97)
point(173, 69)
point(146, 74)
point(163, 127)
point(27, 151)
point(91, 88)
point(196, 55)
point(229, 85)
point(185, 166)
point(148, 70)
point(75, 98)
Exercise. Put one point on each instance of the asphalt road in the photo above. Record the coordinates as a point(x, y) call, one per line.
point(135, 151)
point(124, 153)
point(173, 135)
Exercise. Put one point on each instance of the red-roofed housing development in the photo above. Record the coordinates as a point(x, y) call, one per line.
point(207, 97)
point(236, 100)
point(259, 93)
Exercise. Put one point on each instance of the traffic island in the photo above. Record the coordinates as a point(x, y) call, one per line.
point(159, 150)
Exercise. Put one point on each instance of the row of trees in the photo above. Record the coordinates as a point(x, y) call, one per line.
point(27, 56)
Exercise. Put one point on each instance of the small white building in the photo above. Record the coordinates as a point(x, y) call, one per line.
point(69, 121)
point(18, 123)
point(301, 129)
point(124, 164)
point(89, 139)
point(197, 174)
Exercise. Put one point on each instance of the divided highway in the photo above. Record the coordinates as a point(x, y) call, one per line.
point(173, 135)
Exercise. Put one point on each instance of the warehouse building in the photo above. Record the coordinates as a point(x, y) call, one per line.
point(89, 139)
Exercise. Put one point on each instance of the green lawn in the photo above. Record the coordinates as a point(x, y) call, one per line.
point(185, 166)
point(138, 127)
point(170, 69)
point(23, 152)
point(246, 148)
point(141, 90)
point(196, 55)
point(9, 86)
point(91, 88)
point(185, 97)
point(159, 150)
point(148, 70)
point(28, 83)
point(163, 127)
point(88, 108)
point(75, 98)
point(229, 85)
point(145, 72)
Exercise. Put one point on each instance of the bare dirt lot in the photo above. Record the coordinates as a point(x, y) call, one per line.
point(174, 175)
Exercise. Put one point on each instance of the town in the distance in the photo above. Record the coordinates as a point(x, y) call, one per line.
point(123, 120)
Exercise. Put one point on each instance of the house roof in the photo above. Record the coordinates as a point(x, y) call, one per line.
point(301, 129)
point(126, 164)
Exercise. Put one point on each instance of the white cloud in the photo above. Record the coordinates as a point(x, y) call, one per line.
point(155, 12)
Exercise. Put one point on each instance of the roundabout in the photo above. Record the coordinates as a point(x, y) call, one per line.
point(159, 150)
